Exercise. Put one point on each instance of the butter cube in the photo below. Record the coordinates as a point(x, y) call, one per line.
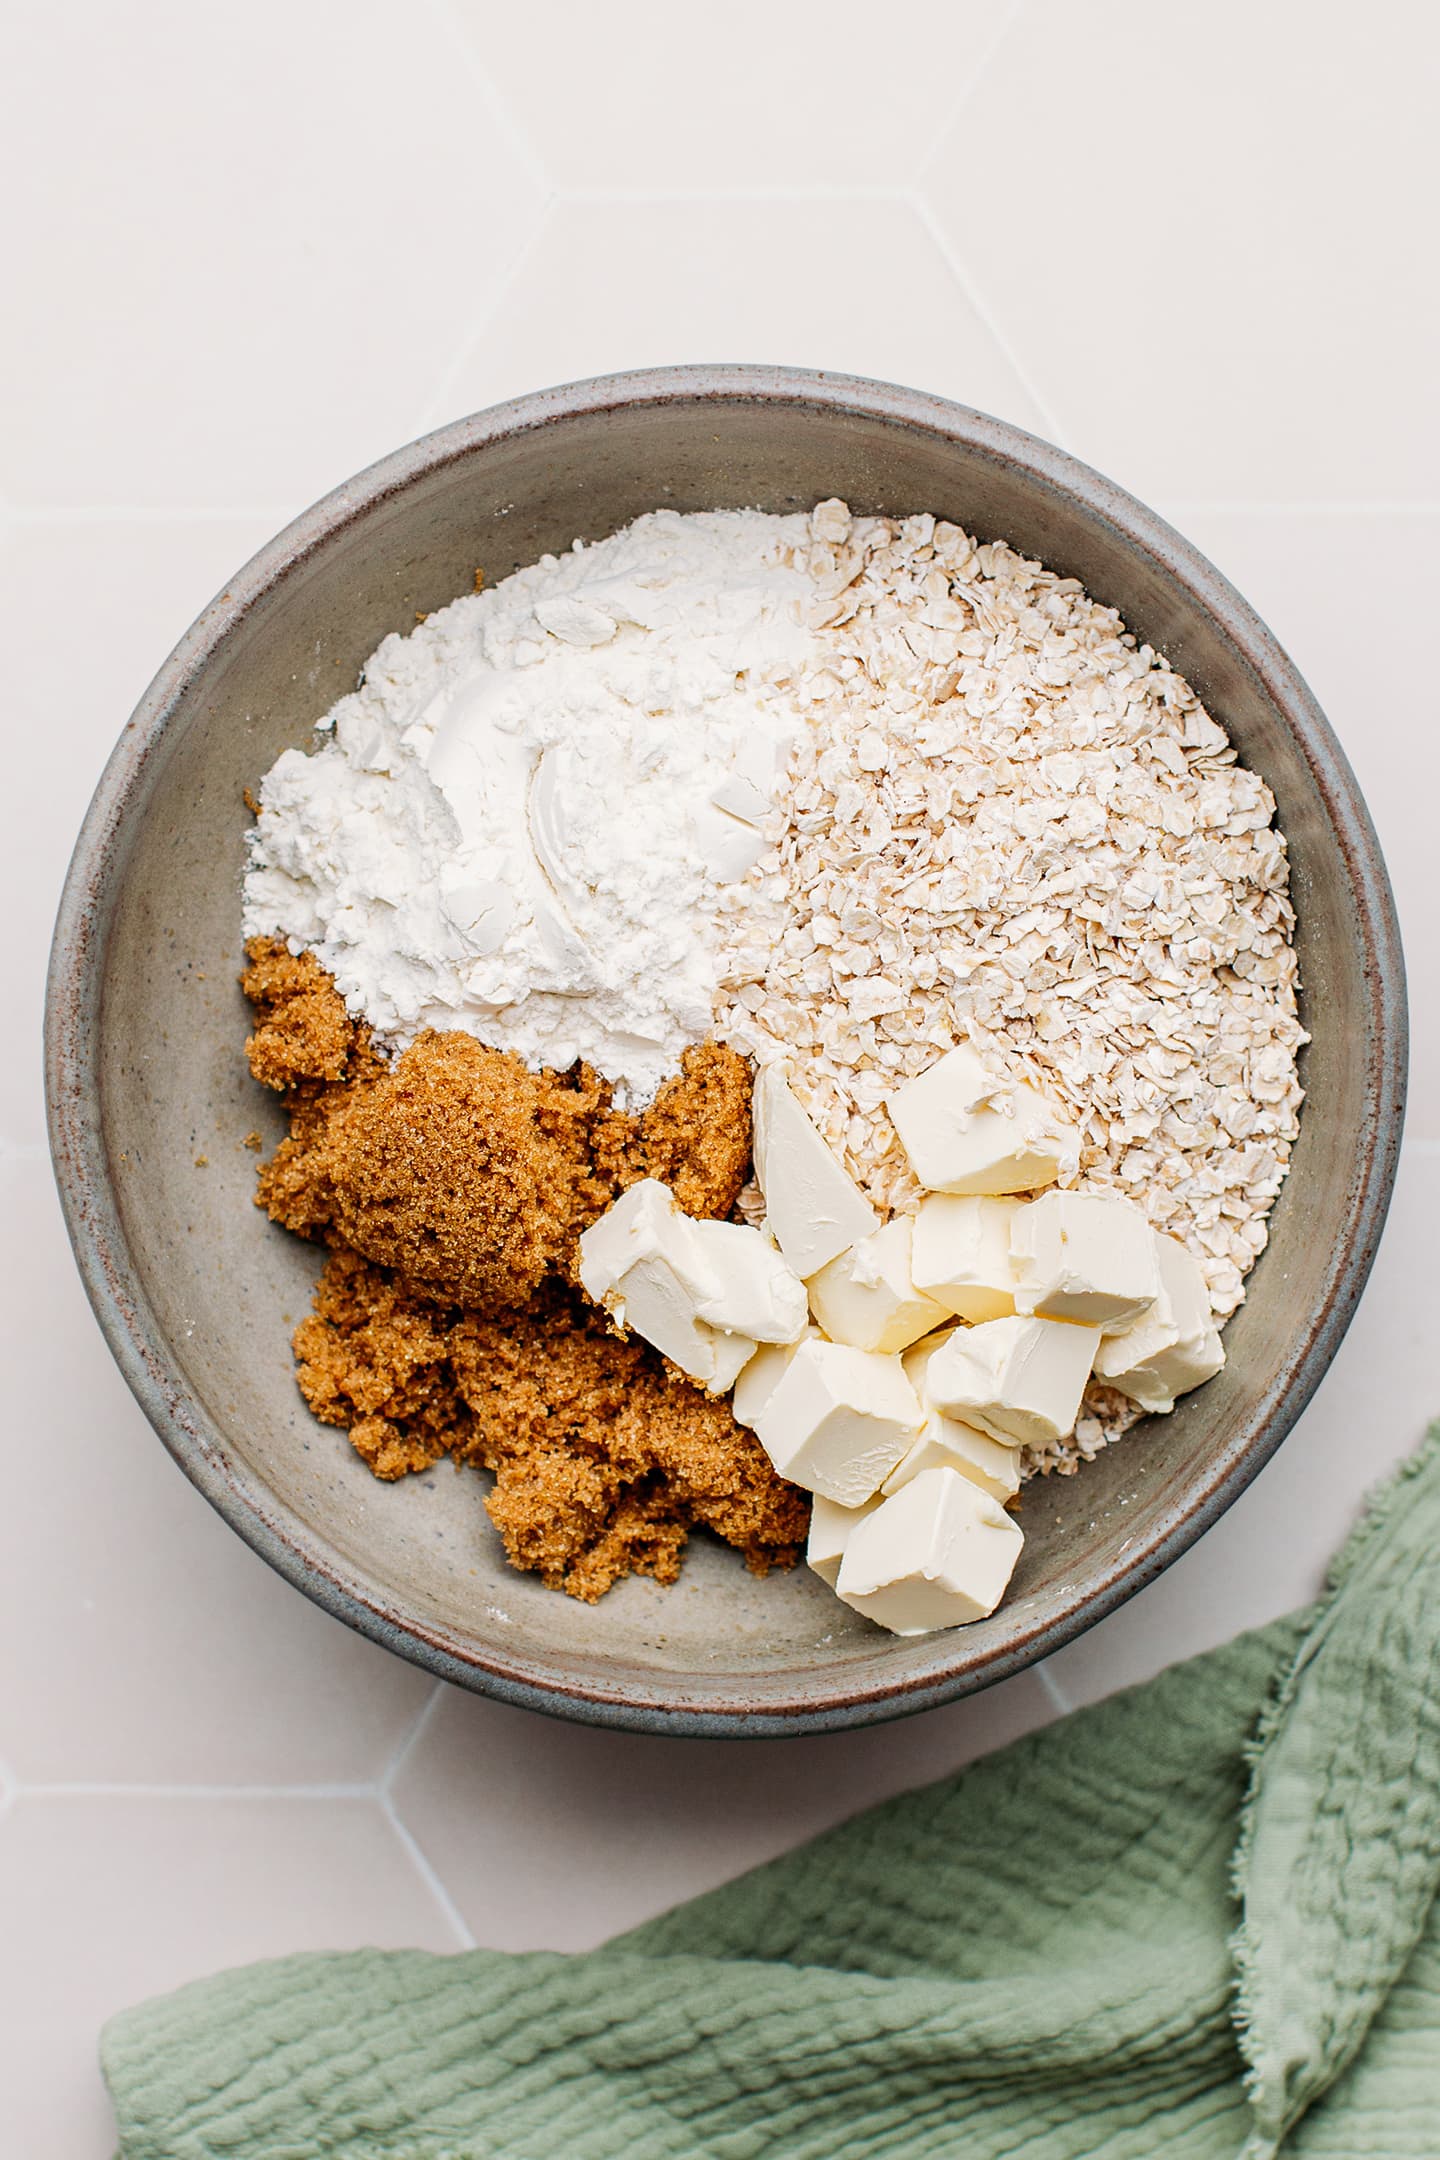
point(936, 1554)
point(962, 1254)
point(813, 1205)
point(915, 1364)
point(760, 1377)
point(946, 1444)
point(867, 1298)
point(969, 1130)
point(830, 1528)
point(644, 1264)
point(1173, 1347)
point(643, 1221)
point(729, 1355)
point(839, 1420)
point(1019, 1380)
point(1084, 1256)
point(759, 1294)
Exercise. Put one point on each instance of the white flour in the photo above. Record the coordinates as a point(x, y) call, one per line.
point(525, 814)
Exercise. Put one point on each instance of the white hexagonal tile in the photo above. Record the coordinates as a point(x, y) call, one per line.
point(95, 609)
point(643, 95)
point(257, 252)
point(147, 1644)
point(1269, 1553)
point(858, 286)
point(1197, 229)
point(555, 1836)
point(1330, 586)
point(110, 1900)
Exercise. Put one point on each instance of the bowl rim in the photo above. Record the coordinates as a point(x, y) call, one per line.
point(78, 1152)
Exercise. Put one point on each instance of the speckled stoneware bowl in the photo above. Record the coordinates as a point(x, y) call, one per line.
point(197, 1292)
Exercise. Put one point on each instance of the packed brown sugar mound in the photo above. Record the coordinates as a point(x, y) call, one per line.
point(452, 1185)
point(604, 1460)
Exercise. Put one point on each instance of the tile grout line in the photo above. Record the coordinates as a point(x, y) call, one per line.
point(1009, 16)
point(1059, 1699)
point(446, 15)
point(409, 1742)
point(940, 240)
point(64, 514)
point(621, 196)
point(117, 1790)
point(419, 1859)
point(440, 406)
point(410, 1845)
point(1325, 506)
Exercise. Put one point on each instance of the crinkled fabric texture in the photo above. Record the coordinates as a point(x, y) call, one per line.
point(1198, 1919)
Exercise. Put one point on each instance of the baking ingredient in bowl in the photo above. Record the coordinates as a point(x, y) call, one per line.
point(938, 1553)
point(451, 1185)
point(603, 1461)
point(456, 1165)
point(520, 820)
point(1011, 825)
point(704, 1293)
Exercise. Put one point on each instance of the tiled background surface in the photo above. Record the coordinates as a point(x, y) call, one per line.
point(250, 253)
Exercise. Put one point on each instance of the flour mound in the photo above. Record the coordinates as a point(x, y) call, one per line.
point(521, 820)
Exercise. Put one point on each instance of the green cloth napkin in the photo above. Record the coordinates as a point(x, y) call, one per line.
point(1199, 1919)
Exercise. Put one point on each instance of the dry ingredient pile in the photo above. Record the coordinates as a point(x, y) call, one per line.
point(451, 1184)
point(830, 793)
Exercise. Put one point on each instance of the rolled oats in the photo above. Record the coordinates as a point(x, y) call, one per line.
point(1046, 846)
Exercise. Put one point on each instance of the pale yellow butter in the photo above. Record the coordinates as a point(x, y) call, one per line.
point(938, 1553)
point(866, 1296)
point(966, 1129)
point(961, 1253)
point(838, 1420)
point(1019, 1380)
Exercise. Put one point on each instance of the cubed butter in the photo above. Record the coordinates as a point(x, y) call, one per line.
point(1084, 1256)
point(961, 1254)
point(867, 1298)
point(642, 1222)
point(1019, 1380)
point(812, 1204)
point(760, 1377)
point(830, 1528)
point(653, 1300)
point(644, 1264)
point(759, 1293)
point(730, 1354)
point(966, 1129)
point(938, 1553)
point(946, 1444)
point(1173, 1347)
point(916, 1364)
point(839, 1420)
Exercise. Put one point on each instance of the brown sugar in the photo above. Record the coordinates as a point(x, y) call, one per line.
point(302, 1030)
point(465, 1171)
point(604, 1459)
point(452, 1185)
point(695, 1136)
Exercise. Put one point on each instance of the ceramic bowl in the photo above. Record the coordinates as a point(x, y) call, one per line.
point(197, 1292)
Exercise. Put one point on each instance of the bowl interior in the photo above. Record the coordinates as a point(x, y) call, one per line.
point(199, 1291)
